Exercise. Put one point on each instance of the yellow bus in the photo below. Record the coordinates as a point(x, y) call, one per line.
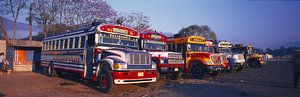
point(199, 59)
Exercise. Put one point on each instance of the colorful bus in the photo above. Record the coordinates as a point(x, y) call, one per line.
point(168, 63)
point(198, 59)
point(101, 52)
point(236, 59)
point(225, 62)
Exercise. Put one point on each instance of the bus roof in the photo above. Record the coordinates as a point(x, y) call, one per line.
point(152, 35)
point(188, 39)
point(88, 29)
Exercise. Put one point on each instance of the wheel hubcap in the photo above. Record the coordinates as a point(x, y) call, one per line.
point(104, 81)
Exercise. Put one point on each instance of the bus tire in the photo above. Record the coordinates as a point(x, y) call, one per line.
point(176, 75)
point(106, 81)
point(197, 71)
point(239, 67)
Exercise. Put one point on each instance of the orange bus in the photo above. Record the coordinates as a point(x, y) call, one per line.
point(199, 60)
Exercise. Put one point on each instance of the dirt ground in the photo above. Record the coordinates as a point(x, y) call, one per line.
point(272, 80)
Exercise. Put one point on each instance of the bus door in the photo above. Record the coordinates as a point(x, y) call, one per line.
point(89, 56)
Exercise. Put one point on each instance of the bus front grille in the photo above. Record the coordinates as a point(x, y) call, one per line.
point(139, 59)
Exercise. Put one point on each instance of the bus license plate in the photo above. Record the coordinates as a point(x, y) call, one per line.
point(176, 69)
point(140, 74)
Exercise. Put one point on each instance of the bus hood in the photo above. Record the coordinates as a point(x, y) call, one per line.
point(166, 54)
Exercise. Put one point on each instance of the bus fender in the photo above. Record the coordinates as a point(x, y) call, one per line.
point(110, 63)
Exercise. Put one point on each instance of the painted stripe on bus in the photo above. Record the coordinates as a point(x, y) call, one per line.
point(68, 68)
point(69, 65)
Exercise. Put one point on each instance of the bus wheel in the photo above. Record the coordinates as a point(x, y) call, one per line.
point(50, 70)
point(197, 71)
point(239, 67)
point(105, 80)
point(176, 75)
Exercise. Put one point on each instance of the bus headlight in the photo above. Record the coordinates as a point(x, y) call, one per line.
point(235, 57)
point(120, 66)
point(208, 63)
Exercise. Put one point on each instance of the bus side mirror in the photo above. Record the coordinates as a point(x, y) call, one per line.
point(188, 48)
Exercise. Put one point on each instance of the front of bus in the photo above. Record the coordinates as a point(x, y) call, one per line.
point(168, 63)
point(224, 57)
point(120, 51)
point(197, 51)
point(236, 60)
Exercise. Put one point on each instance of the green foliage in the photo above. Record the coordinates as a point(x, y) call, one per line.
point(197, 30)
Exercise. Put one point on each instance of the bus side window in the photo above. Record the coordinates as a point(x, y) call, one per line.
point(46, 46)
point(53, 45)
point(57, 44)
point(61, 44)
point(50, 45)
point(91, 40)
point(76, 42)
point(82, 41)
point(71, 43)
point(66, 44)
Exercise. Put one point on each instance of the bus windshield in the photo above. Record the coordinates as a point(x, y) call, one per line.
point(155, 46)
point(200, 48)
point(121, 40)
point(225, 50)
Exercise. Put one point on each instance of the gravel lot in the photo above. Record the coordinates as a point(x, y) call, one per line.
point(272, 80)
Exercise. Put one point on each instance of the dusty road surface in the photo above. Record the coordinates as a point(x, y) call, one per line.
point(272, 80)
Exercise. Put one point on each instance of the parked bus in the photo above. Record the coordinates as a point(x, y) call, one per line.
point(252, 58)
point(198, 59)
point(236, 59)
point(225, 62)
point(168, 63)
point(101, 52)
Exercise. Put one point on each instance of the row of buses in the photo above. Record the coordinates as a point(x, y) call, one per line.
point(113, 54)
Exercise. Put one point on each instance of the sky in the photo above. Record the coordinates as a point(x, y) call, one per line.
point(262, 23)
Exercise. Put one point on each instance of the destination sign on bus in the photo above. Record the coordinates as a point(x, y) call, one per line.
point(117, 30)
point(224, 45)
point(154, 36)
point(197, 40)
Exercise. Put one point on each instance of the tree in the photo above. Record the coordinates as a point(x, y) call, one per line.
point(29, 19)
point(197, 30)
point(69, 12)
point(136, 21)
point(44, 13)
point(14, 8)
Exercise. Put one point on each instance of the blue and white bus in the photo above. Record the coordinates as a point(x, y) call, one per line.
point(101, 52)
